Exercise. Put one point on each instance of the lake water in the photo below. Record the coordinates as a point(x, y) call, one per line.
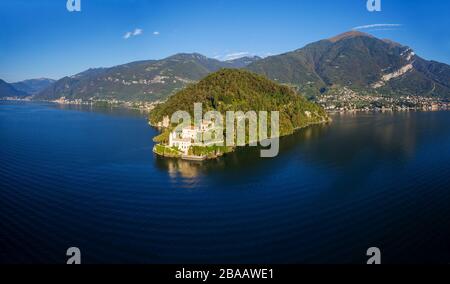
point(83, 177)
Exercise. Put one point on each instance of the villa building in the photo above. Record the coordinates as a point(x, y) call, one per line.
point(195, 136)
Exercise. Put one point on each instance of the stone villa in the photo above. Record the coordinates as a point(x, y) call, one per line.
point(195, 136)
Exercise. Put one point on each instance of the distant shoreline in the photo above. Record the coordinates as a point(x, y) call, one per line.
point(149, 106)
point(142, 106)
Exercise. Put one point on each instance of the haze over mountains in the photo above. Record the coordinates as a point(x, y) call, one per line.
point(353, 60)
point(24, 88)
point(7, 90)
point(33, 86)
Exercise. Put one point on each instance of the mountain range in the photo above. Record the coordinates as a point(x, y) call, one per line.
point(33, 86)
point(149, 80)
point(353, 60)
point(25, 88)
point(8, 90)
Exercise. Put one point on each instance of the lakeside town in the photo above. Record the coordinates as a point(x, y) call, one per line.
point(142, 106)
point(345, 100)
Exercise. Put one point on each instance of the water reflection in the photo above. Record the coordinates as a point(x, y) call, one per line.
point(348, 151)
point(243, 162)
point(356, 148)
point(333, 191)
point(178, 167)
point(388, 136)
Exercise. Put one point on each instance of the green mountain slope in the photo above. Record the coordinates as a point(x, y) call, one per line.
point(360, 62)
point(150, 80)
point(240, 90)
point(353, 60)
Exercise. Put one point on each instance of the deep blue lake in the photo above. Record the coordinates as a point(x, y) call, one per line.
point(87, 177)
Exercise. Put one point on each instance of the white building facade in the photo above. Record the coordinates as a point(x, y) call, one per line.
point(195, 136)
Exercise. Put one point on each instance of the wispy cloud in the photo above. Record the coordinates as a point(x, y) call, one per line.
point(235, 55)
point(156, 33)
point(136, 32)
point(267, 54)
point(127, 35)
point(378, 27)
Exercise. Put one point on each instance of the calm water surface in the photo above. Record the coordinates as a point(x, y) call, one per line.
point(77, 176)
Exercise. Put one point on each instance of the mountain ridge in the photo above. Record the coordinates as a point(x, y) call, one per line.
point(33, 86)
point(353, 60)
point(7, 90)
point(146, 80)
point(360, 62)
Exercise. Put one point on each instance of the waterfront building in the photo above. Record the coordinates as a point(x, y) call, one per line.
point(195, 136)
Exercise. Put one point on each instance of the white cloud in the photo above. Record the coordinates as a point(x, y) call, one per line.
point(236, 55)
point(136, 32)
point(378, 26)
point(267, 54)
point(127, 35)
point(155, 33)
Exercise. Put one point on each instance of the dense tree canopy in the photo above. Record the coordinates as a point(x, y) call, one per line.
point(240, 90)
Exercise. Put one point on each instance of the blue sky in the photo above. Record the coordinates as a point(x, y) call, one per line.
point(40, 38)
